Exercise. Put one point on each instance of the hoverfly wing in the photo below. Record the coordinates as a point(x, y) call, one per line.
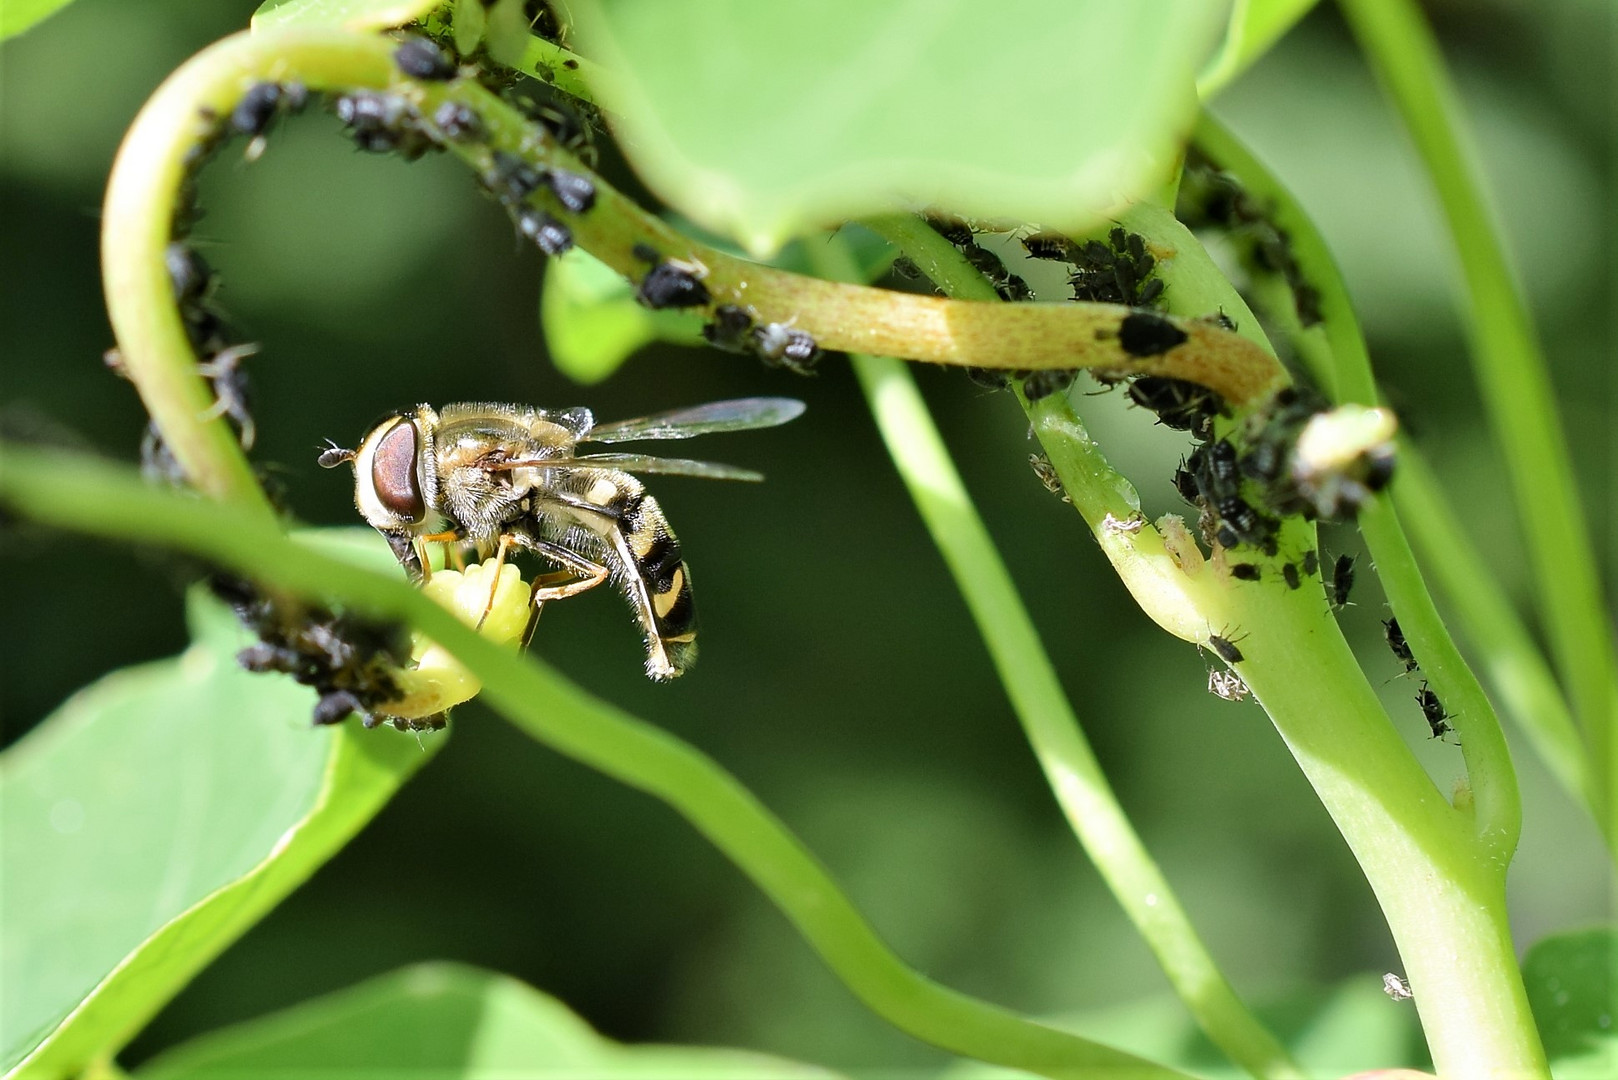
point(634, 463)
point(661, 466)
point(741, 414)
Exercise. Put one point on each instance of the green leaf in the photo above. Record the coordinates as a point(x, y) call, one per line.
point(1254, 26)
point(1571, 981)
point(446, 1021)
point(592, 323)
point(348, 14)
point(151, 821)
point(506, 32)
point(761, 121)
point(18, 15)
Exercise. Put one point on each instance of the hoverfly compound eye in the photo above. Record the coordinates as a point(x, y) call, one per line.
point(393, 472)
point(388, 488)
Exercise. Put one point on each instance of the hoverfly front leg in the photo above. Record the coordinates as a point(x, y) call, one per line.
point(452, 551)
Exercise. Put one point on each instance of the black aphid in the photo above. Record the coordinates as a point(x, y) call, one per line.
point(1181, 405)
point(904, 266)
point(668, 285)
point(1013, 289)
point(1185, 482)
point(953, 229)
point(188, 273)
point(1342, 580)
point(576, 193)
point(548, 234)
point(729, 329)
point(1050, 245)
point(1144, 334)
point(511, 178)
point(1290, 573)
point(1245, 571)
point(421, 59)
point(1397, 643)
point(1048, 381)
point(1227, 650)
point(1217, 472)
point(1433, 710)
point(253, 113)
point(1311, 562)
point(382, 123)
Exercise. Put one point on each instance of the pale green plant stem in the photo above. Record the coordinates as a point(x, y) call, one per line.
point(1339, 346)
point(1512, 376)
point(1047, 717)
point(1441, 888)
point(1515, 665)
point(92, 497)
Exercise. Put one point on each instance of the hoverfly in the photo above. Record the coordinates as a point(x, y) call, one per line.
point(507, 477)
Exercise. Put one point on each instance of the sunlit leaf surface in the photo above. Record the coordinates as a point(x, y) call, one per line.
point(154, 818)
point(447, 1021)
point(350, 14)
point(1572, 982)
point(760, 121)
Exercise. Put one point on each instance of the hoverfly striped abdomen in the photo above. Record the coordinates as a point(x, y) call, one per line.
point(651, 568)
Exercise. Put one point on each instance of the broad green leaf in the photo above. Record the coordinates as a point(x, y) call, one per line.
point(446, 1021)
point(151, 821)
point(761, 121)
point(469, 19)
point(18, 15)
point(349, 14)
point(1572, 982)
point(1254, 26)
point(506, 32)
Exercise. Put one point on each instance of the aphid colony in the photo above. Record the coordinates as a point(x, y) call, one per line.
point(1119, 271)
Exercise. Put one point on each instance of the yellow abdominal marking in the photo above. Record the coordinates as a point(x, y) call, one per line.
point(641, 542)
point(664, 601)
point(602, 492)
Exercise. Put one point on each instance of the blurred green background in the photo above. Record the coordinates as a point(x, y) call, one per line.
point(841, 677)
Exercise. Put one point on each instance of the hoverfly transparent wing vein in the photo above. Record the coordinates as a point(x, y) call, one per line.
point(741, 414)
point(634, 463)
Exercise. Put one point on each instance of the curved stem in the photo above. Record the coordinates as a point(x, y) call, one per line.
point(1515, 665)
point(1047, 717)
point(1512, 375)
point(1338, 344)
point(1441, 889)
point(99, 499)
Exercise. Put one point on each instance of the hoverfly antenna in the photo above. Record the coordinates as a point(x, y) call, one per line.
point(334, 455)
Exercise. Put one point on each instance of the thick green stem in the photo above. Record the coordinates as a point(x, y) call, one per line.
point(1511, 372)
point(103, 500)
point(1030, 681)
point(1515, 665)
point(1338, 346)
point(1441, 889)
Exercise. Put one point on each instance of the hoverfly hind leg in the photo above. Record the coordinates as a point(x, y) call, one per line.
point(659, 587)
